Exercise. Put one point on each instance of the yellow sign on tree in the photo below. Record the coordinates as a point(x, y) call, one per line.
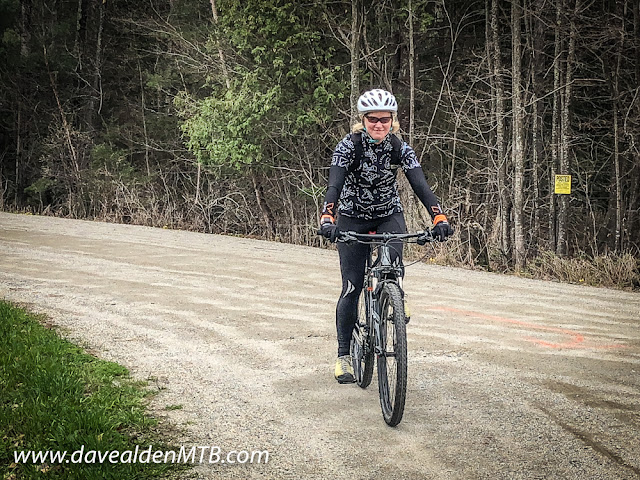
point(563, 184)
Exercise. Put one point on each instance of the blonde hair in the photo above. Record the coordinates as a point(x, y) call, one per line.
point(359, 126)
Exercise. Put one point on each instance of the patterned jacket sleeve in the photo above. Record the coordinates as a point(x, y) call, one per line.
point(342, 159)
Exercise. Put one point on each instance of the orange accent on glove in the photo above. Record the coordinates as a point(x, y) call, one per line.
point(327, 219)
point(439, 218)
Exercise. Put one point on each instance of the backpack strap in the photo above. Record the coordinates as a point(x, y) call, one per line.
point(396, 152)
point(396, 143)
point(356, 138)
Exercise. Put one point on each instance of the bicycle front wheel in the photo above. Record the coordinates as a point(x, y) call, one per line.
point(392, 358)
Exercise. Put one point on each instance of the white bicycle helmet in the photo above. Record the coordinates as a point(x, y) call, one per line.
point(377, 100)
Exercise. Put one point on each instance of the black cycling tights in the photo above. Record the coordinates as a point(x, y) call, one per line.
point(353, 260)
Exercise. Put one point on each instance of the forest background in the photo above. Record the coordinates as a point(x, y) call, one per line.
point(221, 116)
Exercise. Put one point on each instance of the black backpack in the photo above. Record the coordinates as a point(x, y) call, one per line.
point(396, 143)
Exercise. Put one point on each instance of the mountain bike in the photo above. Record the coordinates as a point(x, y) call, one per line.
point(380, 329)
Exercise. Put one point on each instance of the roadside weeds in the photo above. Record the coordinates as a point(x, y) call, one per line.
point(56, 397)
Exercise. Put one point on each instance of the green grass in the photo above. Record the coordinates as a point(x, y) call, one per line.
point(173, 407)
point(53, 396)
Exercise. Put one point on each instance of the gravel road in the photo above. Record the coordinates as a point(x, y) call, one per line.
point(509, 378)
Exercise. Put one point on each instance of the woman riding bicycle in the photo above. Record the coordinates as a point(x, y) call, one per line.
point(362, 183)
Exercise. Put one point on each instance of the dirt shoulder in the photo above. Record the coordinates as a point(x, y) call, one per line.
point(509, 377)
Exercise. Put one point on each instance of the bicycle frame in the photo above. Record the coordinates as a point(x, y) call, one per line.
point(380, 270)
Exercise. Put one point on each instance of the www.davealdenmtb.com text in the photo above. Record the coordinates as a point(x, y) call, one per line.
point(198, 454)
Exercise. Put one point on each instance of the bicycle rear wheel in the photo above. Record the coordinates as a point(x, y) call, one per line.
point(392, 360)
point(361, 346)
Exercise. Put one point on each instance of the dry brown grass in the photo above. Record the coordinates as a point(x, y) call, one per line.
point(614, 271)
point(621, 271)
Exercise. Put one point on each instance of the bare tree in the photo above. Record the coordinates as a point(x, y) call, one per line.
point(223, 62)
point(536, 40)
point(21, 126)
point(565, 128)
point(615, 90)
point(227, 81)
point(517, 152)
point(555, 129)
point(412, 75)
point(354, 47)
point(499, 115)
point(95, 99)
point(633, 206)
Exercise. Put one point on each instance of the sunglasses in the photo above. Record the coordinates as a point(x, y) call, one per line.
point(383, 120)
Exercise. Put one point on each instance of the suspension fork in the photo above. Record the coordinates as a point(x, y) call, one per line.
point(377, 312)
point(371, 308)
point(377, 273)
point(376, 317)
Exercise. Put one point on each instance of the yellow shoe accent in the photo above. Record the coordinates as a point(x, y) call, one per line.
point(344, 370)
point(407, 311)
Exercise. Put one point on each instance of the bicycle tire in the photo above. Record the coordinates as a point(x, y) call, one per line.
point(392, 359)
point(361, 348)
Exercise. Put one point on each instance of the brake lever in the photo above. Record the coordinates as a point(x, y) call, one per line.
point(345, 237)
point(424, 238)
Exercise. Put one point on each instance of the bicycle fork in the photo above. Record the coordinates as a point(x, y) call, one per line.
point(379, 324)
point(375, 330)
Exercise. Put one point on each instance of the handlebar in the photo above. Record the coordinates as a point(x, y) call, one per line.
point(381, 238)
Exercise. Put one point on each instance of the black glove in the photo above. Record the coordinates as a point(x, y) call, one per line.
point(442, 229)
point(329, 231)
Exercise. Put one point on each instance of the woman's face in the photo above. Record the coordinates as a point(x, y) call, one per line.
point(378, 124)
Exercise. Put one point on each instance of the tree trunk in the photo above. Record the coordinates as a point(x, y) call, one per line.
point(227, 81)
point(267, 214)
point(80, 28)
point(95, 99)
point(18, 177)
point(491, 189)
point(555, 132)
point(616, 164)
point(21, 126)
point(63, 116)
point(501, 166)
point(412, 209)
point(535, 171)
point(354, 47)
point(223, 62)
point(517, 151)
point(633, 206)
point(412, 75)
point(537, 66)
point(616, 130)
point(144, 122)
point(3, 183)
point(25, 28)
point(563, 247)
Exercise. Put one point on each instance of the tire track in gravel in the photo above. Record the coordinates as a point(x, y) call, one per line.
point(241, 334)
